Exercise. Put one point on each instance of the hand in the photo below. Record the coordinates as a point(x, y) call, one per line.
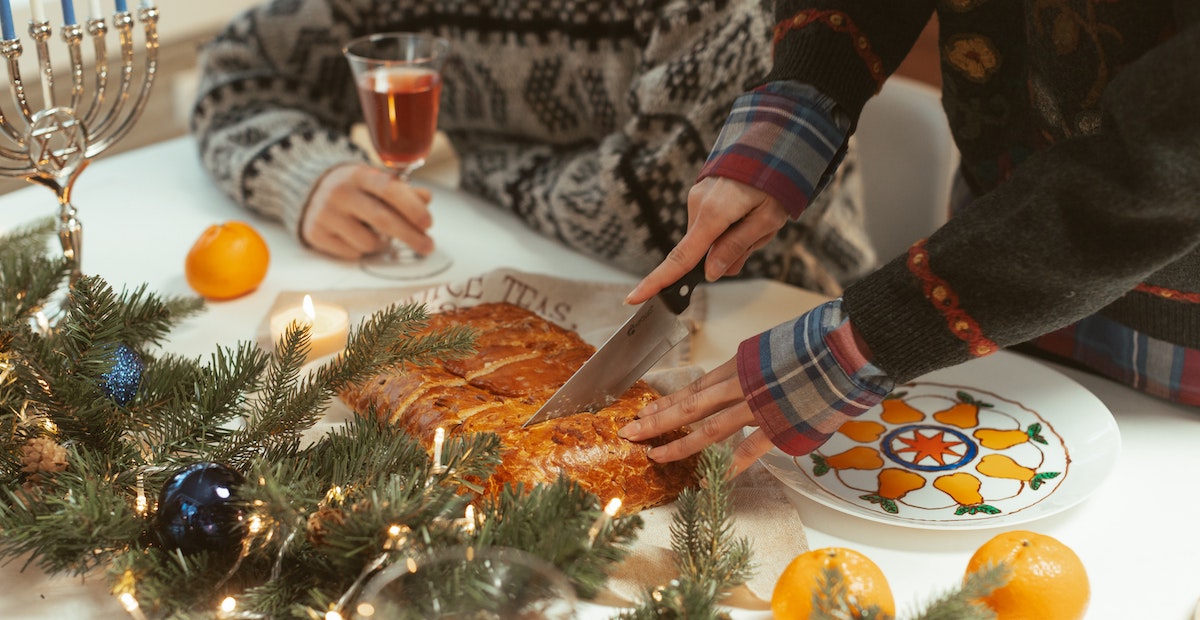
point(355, 208)
point(714, 407)
point(729, 221)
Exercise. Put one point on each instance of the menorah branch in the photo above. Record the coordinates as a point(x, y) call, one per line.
point(52, 144)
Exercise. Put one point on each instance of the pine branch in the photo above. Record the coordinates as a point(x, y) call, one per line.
point(709, 559)
point(961, 603)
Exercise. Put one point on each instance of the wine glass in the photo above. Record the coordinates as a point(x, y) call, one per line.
point(475, 583)
point(398, 77)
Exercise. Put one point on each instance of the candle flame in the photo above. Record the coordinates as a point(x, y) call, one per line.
point(310, 310)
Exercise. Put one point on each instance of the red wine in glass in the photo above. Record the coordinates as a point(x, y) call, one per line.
point(399, 84)
point(400, 105)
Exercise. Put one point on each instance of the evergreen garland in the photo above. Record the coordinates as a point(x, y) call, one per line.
point(81, 471)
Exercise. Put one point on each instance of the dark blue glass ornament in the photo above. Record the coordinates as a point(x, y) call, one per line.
point(198, 509)
point(123, 379)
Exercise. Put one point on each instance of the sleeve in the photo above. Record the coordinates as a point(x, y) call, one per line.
point(275, 105)
point(804, 378)
point(783, 138)
point(846, 49)
point(1078, 226)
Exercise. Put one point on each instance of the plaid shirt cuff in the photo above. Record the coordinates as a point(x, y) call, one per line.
point(806, 377)
point(784, 138)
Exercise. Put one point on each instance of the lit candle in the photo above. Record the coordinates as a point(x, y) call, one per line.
point(439, 437)
point(6, 23)
point(94, 10)
point(121, 8)
point(328, 326)
point(68, 9)
point(37, 10)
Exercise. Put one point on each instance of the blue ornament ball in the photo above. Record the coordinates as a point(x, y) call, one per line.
point(198, 510)
point(124, 377)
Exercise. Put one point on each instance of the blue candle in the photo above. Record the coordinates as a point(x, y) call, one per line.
point(68, 12)
point(6, 23)
point(121, 6)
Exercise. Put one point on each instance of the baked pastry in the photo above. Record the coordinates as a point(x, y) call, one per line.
point(521, 360)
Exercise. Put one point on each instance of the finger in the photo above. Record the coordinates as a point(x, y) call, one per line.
point(328, 243)
point(679, 261)
point(740, 264)
point(402, 198)
point(743, 238)
point(752, 448)
point(710, 393)
point(710, 430)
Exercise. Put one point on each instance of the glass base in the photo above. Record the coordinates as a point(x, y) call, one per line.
point(401, 263)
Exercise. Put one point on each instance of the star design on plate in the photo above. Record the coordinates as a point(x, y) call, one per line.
point(933, 446)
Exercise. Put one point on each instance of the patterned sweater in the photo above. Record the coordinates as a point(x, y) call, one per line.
point(590, 121)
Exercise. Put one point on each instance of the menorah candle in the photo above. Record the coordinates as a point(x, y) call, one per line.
point(68, 9)
point(328, 326)
point(94, 10)
point(146, 4)
point(37, 10)
point(121, 8)
point(6, 22)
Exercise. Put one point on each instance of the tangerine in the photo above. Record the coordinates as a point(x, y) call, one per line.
point(866, 586)
point(1046, 579)
point(227, 261)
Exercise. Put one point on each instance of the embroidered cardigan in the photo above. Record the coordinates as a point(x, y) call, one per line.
point(1079, 133)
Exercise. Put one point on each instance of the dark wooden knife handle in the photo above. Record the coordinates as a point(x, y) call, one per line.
point(678, 296)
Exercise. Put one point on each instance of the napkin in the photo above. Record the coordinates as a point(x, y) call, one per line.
point(762, 512)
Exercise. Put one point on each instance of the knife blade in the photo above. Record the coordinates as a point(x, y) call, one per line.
point(637, 345)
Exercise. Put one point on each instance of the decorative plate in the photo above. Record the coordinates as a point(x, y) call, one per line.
point(996, 441)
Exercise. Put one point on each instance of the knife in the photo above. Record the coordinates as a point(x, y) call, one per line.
point(645, 337)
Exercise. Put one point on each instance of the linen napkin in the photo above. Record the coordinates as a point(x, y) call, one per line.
point(762, 512)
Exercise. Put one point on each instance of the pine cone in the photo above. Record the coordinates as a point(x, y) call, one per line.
point(318, 521)
point(42, 454)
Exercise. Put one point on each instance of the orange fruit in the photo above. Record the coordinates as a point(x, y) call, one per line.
point(227, 261)
point(1045, 577)
point(865, 584)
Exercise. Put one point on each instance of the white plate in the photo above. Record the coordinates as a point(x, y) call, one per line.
point(1067, 443)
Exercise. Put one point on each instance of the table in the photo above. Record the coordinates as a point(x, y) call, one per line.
point(142, 210)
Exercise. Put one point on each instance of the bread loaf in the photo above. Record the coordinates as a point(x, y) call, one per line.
point(521, 361)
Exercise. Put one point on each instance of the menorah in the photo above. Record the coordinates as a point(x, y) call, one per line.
point(52, 145)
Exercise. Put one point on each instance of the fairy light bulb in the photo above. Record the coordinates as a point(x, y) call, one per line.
point(228, 605)
point(130, 603)
point(439, 437)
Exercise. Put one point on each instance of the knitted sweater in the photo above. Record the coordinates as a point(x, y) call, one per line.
point(590, 121)
point(1079, 127)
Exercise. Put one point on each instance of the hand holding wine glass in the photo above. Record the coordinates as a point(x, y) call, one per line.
point(398, 76)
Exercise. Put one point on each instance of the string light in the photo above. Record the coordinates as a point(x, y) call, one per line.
point(255, 524)
point(333, 614)
point(141, 505)
point(131, 605)
point(439, 437)
point(469, 519)
point(610, 510)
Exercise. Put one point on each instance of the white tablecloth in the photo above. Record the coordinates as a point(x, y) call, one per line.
point(141, 212)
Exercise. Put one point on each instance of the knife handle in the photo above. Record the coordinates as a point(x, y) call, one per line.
point(678, 296)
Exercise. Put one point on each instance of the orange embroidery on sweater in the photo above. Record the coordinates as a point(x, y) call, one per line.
point(838, 22)
point(1168, 293)
point(945, 300)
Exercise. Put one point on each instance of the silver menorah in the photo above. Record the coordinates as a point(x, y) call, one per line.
point(52, 145)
